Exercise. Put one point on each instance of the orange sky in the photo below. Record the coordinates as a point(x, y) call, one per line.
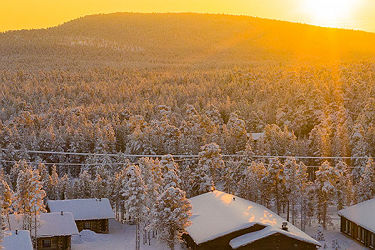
point(353, 14)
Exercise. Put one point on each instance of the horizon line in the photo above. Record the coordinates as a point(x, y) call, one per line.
point(179, 12)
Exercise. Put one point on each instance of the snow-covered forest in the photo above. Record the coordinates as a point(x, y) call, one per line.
point(67, 130)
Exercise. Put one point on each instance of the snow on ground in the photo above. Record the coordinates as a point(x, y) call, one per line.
point(333, 234)
point(120, 237)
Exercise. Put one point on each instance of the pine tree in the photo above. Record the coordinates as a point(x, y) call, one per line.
point(365, 188)
point(2, 224)
point(134, 195)
point(360, 148)
point(344, 185)
point(201, 181)
point(210, 158)
point(64, 188)
point(276, 182)
point(29, 198)
point(52, 190)
point(252, 186)
point(83, 185)
point(170, 215)
point(6, 198)
point(295, 179)
point(236, 134)
point(326, 179)
point(170, 172)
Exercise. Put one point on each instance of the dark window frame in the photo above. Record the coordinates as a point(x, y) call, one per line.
point(46, 243)
point(86, 225)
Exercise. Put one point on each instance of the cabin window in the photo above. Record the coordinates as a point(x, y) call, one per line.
point(362, 235)
point(46, 243)
point(348, 227)
point(87, 225)
point(103, 226)
point(358, 233)
point(372, 240)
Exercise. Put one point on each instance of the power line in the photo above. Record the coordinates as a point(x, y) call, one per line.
point(103, 164)
point(181, 155)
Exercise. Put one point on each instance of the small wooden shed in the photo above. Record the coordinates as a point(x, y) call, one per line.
point(54, 229)
point(89, 214)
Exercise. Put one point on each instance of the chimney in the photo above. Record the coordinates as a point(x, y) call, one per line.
point(62, 213)
point(284, 226)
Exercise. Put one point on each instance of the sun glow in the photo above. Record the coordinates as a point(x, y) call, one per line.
point(330, 13)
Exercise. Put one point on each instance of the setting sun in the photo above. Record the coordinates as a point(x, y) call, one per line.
point(329, 12)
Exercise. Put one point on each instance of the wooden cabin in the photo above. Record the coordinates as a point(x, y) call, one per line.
point(358, 222)
point(89, 214)
point(223, 221)
point(54, 232)
point(17, 240)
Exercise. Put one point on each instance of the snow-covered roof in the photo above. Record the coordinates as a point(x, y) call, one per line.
point(50, 224)
point(256, 136)
point(362, 214)
point(19, 241)
point(215, 214)
point(84, 209)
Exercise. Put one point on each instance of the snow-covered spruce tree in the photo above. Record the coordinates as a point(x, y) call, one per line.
point(344, 185)
point(365, 188)
point(235, 170)
point(6, 199)
point(359, 149)
point(44, 176)
point(276, 183)
point(134, 195)
point(152, 177)
point(210, 158)
point(201, 181)
point(64, 188)
point(170, 172)
point(235, 134)
point(14, 172)
point(295, 179)
point(83, 186)
point(52, 191)
point(29, 198)
point(326, 179)
point(2, 225)
point(170, 215)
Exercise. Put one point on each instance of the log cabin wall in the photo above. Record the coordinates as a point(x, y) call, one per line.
point(98, 226)
point(54, 243)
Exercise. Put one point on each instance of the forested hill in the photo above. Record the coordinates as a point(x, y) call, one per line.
point(182, 38)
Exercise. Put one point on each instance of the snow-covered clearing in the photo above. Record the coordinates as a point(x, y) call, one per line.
point(120, 237)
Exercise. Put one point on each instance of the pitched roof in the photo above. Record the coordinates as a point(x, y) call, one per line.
point(362, 214)
point(84, 209)
point(50, 224)
point(215, 214)
point(19, 241)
